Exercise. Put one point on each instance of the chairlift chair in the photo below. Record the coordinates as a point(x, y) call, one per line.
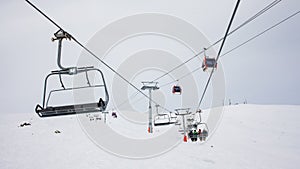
point(204, 131)
point(183, 112)
point(164, 118)
point(45, 110)
point(173, 118)
point(208, 63)
point(161, 119)
point(176, 90)
point(177, 123)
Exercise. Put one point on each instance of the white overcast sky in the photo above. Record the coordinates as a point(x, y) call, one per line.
point(265, 71)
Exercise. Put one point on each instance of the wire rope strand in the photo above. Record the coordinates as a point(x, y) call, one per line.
point(218, 41)
point(219, 53)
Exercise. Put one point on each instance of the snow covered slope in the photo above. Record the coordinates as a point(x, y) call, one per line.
point(249, 136)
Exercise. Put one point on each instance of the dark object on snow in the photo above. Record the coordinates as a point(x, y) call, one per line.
point(114, 114)
point(57, 132)
point(25, 124)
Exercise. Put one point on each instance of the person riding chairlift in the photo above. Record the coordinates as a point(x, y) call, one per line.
point(101, 103)
point(204, 134)
point(191, 135)
point(200, 136)
point(195, 135)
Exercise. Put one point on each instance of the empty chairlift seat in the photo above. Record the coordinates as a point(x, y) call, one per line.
point(45, 110)
point(161, 119)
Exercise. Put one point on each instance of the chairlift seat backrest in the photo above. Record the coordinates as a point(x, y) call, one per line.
point(161, 119)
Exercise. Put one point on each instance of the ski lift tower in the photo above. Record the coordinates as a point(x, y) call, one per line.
point(150, 86)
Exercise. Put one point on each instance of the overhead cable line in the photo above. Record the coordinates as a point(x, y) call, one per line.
point(238, 46)
point(93, 54)
point(233, 49)
point(125, 101)
point(259, 13)
point(219, 53)
point(229, 51)
point(218, 41)
point(261, 33)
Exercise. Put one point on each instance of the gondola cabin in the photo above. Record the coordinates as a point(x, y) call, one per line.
point(208, 63)
point(176, 90)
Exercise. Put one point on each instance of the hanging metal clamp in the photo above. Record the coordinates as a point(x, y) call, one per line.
point(60, 35)
point(72, 70)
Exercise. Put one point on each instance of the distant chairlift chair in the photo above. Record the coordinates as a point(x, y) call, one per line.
point(208, 63)
point(176, 90)
point(164, 118)
point(203, 127)
point(48, 111)
point(161, 119)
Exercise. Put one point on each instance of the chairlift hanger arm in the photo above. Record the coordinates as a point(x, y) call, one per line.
point(60, 35)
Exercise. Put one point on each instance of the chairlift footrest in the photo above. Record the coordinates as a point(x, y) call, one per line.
point(162, 124)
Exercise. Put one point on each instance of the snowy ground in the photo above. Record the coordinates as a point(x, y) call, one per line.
point(249, 136)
